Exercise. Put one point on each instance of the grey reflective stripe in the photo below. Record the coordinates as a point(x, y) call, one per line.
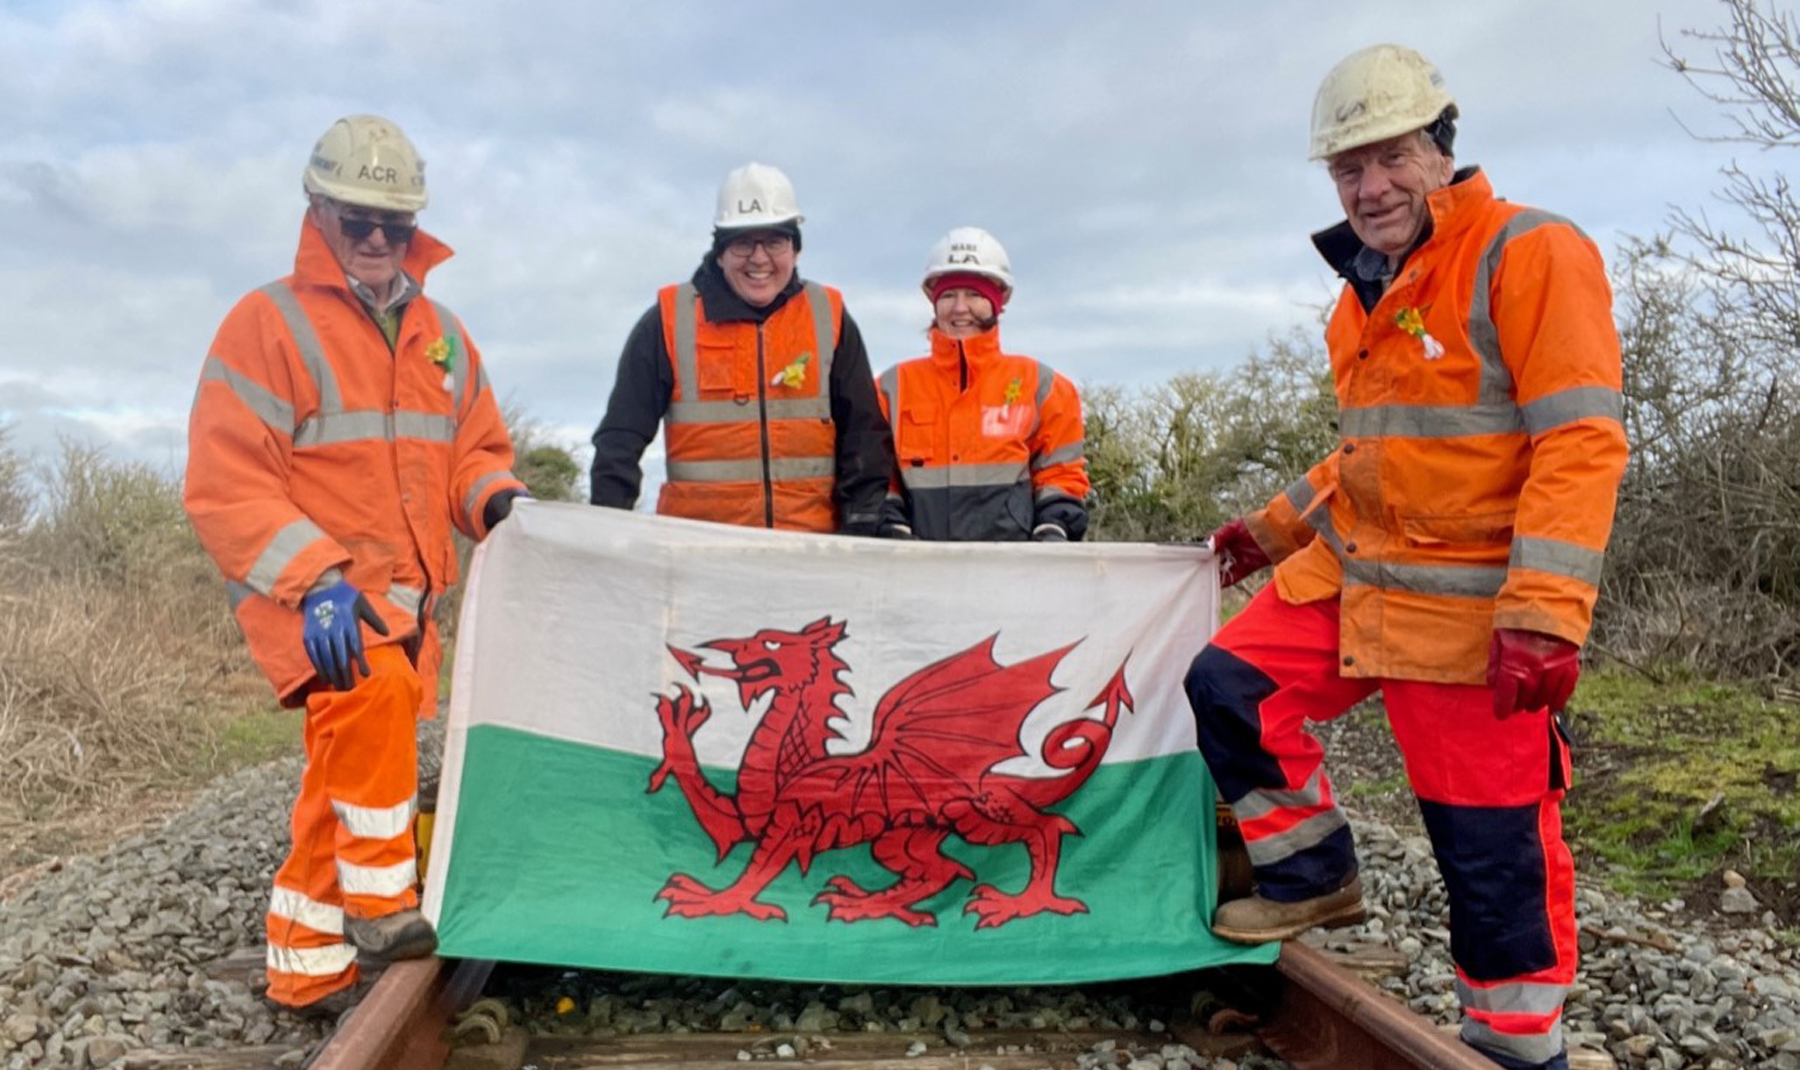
point(281, 551)
point(1268, 850)
point(1484, 335)
point(307, 341)
point(691, 410)
point(1261, 802)
point(1512, 998)
point(276, 414)
point(1300, 494)
point(407, 598)
point(1046, 379)
point(365, 425)
point(459, 369)
point(963, 475)
point(1531, 1048)
point(1051, 494)
point(1060, 455)
point(1430, 421)
point(1320, 521)
point(236, 592)
point(744, 471)
point(1464, 581)
point(476, 491)
point(1557, 556)
point(889, 385)
point(687, 359)
point(823, 336)
point(1576, 403)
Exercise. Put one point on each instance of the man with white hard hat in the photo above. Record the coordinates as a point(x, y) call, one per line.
point(760, 381)
point(344, 423)
point(1447, 554)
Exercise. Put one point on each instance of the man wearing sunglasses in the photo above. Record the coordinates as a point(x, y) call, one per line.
point(761, 382)
point(343, 424)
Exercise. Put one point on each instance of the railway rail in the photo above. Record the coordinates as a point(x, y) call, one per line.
point(1307, 1010)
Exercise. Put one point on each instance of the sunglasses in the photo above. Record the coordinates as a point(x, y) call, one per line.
point(395, 231)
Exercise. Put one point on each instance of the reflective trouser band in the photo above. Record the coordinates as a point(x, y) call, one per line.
point(385, 882)
point(298, 907)
point(311, 961)
point(1273, 848)
point(1261, 802)
point(1531, 1048)
point(780, 468)
point(375, 823)
point(1512, 997)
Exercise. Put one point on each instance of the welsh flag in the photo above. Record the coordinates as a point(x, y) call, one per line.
point(680, 747)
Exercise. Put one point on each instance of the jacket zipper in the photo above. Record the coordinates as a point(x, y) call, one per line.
point(762, 425)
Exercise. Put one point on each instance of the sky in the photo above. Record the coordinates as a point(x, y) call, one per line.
point(1144, 164)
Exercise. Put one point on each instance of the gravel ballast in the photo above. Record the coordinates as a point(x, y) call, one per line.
point(109, 956)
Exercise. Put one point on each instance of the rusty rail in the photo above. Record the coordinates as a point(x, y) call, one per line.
point(1317, 1016)
point(400, 1024)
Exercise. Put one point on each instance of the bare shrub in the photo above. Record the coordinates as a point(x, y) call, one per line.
point(1171, 461)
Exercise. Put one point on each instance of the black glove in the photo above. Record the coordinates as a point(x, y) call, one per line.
point(499, 507)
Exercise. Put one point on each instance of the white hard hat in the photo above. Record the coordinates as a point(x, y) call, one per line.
point(970, 251)
point(756, 195)
point(1380, 92)
point(366, 160)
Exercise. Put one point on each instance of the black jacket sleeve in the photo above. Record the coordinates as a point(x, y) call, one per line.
point(865, 443)
point(640, 398)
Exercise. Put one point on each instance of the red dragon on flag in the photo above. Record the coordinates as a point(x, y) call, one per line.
point(929, 771)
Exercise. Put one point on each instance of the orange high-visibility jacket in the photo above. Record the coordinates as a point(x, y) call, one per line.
point(311, 447)
point(989, 444)
point(1479, 409)
point(748, 434)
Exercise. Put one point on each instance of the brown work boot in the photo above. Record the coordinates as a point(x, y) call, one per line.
point(1256, 920)
point(401, 935)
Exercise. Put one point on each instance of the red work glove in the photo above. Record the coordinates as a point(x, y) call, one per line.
point(1531, 671)
point(1239, 556)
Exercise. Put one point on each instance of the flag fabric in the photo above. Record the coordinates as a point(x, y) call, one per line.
point(682, 747)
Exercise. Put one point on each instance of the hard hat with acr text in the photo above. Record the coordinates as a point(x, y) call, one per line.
point(756, 195)
point(969, 250)
point(366, 160)
point(1374, 94)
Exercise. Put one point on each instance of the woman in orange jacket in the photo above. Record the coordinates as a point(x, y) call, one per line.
point(989, 444)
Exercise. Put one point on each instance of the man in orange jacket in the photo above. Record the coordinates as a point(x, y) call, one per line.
point(760, 381)
point(1446, 554)
point(343, 423)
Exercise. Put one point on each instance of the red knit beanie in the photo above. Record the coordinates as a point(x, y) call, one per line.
point(968, 280)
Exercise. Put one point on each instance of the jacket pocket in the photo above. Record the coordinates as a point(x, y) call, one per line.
point(1457, 529)
point(717, 371)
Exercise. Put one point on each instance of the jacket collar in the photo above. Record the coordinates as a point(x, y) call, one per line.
point(947, 352)
point(1361, 266)
point(722, 303)
point(315, 265)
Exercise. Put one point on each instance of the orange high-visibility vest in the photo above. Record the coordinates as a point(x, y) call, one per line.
point(1479, 409)
point(311, 446)
point(978, 461)
point(748, 435)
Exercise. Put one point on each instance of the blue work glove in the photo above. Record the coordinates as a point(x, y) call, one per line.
point(331, 633)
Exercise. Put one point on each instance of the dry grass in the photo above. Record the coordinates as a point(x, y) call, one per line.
point(120, 667)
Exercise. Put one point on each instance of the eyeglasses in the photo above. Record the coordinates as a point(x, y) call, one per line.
point(397, 232)
point(774, 245)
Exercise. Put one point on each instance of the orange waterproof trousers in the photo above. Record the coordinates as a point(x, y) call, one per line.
point(352, 847)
